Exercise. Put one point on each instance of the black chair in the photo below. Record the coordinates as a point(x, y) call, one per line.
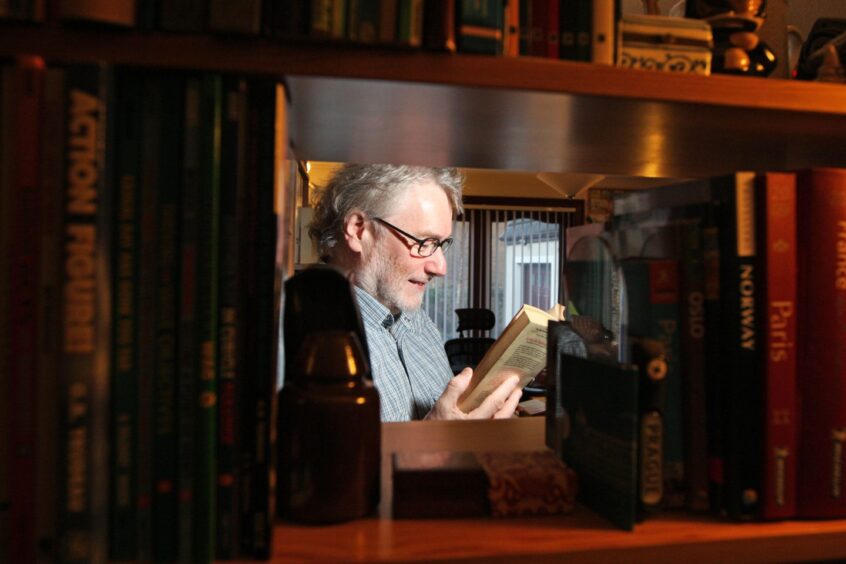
point(468, 350)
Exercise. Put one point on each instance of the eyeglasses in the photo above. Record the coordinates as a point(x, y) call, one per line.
point(425, 247)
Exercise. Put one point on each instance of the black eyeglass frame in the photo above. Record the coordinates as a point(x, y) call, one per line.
point(421, 243)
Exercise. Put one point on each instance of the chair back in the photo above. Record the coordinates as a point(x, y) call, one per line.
point(468, 350)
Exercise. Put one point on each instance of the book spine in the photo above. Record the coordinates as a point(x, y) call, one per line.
point(602, 31)
point(328, 19)
point(713, 361)
point(27, 83)
point(52, 184)
point(551, 32)
point(271, 148)
point(86, 319)
point(567, 29)
point(439, 25)
point(584, 30)
point(664, 295)
point(189, 241)
point(742, 390)
point(776, 202)
point(237, 17)
point(692, 342)
point(6, 110)
point(410, 23)
point(822, 329)
point(653, 294)
point(511, 29)
point(168, 89)
point(147, 276)
point(230, 324)
point(650, 357)
point(479, 27)
point(257, 96)
point(388, 21)
point(207, 303)
point(363, 20)
point(531, 28)
point(123, 517)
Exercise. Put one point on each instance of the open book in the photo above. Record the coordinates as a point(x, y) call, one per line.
point(520, 350)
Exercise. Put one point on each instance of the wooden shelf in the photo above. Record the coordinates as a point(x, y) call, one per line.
point(364, 104)
point(578, 537)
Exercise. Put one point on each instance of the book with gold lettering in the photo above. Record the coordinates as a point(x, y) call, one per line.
point(85, 339)
point(520, 350)
point(775, 194)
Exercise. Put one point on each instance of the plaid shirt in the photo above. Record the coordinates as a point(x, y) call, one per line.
point(407, 358)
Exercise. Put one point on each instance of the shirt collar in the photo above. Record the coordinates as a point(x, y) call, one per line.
point(372, 309)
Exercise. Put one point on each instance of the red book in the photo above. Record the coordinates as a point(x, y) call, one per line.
point(822, 342)
point(776, 201)
point(26, 89)
point(539, 28)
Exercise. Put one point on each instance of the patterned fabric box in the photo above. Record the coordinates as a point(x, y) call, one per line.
point(664, 43)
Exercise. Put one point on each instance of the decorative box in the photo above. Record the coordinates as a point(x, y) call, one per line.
point(473, 484)
point(664, 43)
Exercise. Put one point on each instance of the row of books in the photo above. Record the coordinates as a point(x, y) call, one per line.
point(540, 28)
point(138, 323)
point(742, 280)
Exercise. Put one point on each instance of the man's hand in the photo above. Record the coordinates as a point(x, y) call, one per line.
point(500, 404)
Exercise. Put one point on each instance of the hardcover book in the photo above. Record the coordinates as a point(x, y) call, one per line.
point(479, 26)
point(85, 335)
point(775, 195)
point(822, 334)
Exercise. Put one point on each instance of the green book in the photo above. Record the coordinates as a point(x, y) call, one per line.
point(124, 380)
point(208, 256)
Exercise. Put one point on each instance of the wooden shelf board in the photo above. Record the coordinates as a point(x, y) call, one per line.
point(359, 104)
point(580, 537)
point(280, 56)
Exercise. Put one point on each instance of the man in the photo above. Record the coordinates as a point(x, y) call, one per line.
point(386, 228)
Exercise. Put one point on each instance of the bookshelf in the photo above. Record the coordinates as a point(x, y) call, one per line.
point(351, 103)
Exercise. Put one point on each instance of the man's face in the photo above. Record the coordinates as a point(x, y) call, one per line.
point(392, 271)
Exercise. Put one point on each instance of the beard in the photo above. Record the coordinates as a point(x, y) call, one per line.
point(384, 279)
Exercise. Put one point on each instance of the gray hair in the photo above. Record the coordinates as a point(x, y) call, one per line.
point(375, 189)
